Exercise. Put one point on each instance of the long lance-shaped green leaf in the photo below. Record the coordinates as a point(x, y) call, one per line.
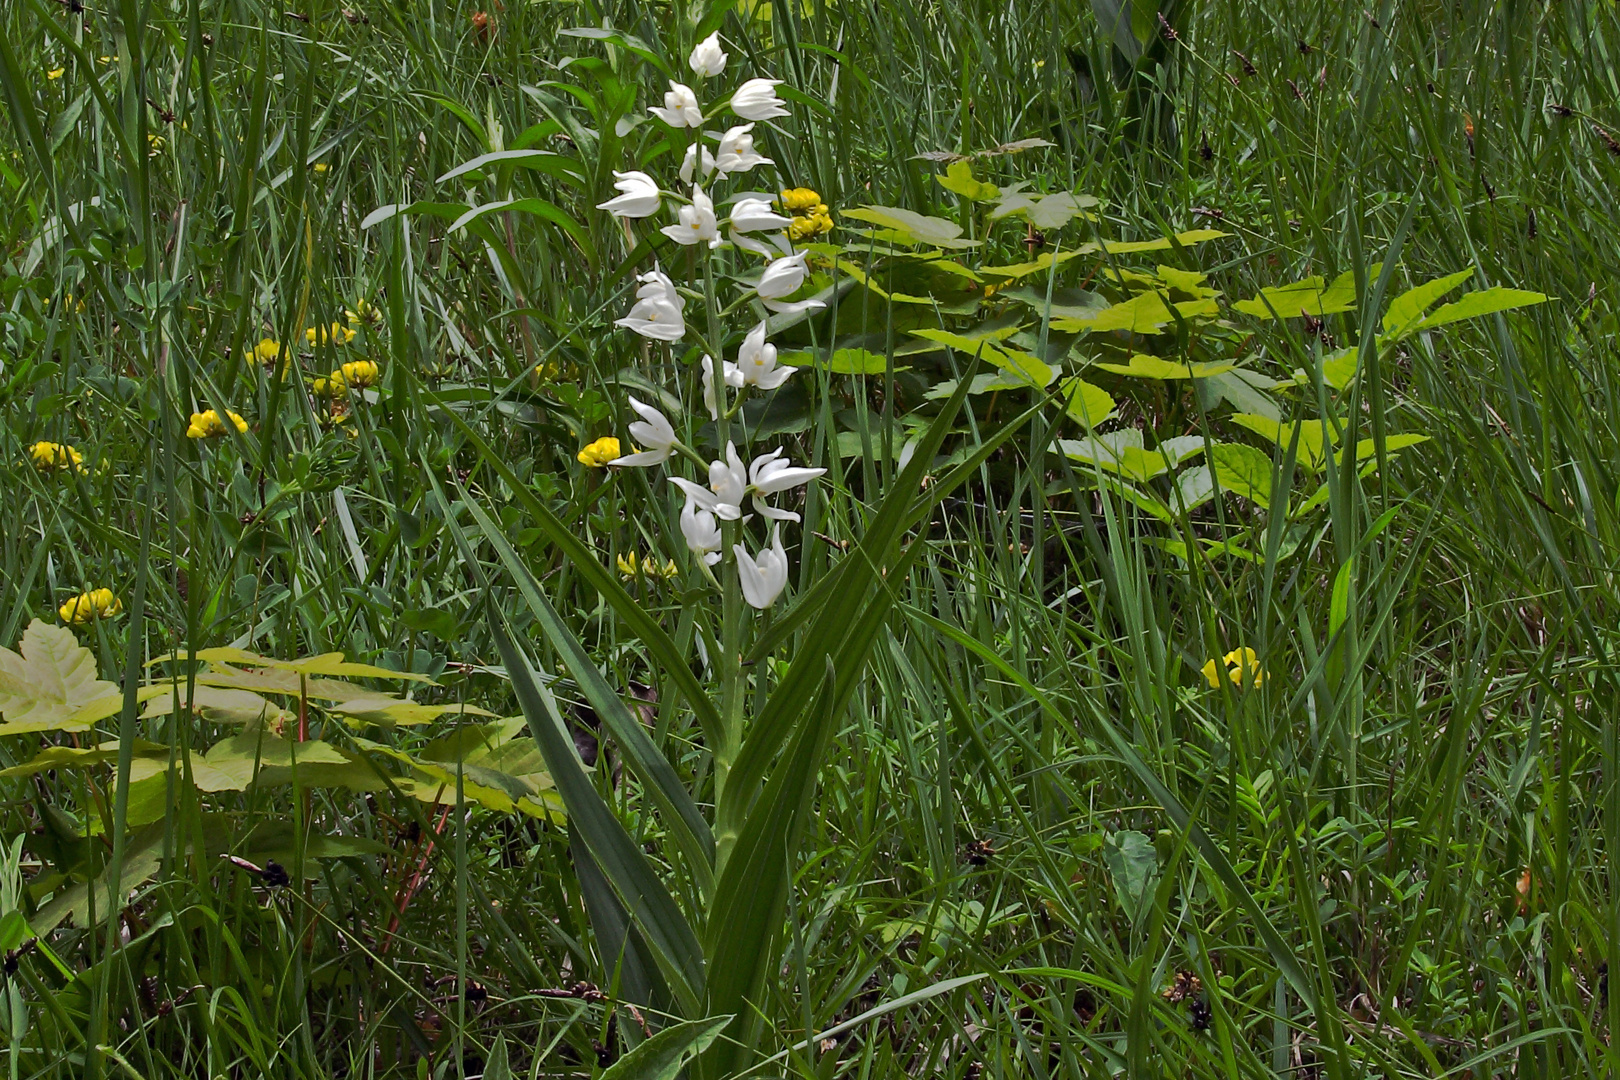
point(662, 925)
point(583, 561)
point(650, 766)
point(868, 564)
point(627, 966)
point(661, 1057)
point(751, 896)
point(1279, 949)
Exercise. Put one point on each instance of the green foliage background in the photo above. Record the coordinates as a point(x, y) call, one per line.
point(1421, 799)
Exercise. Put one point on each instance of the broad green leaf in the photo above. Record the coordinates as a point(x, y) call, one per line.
point(842, 361)
point(234, 763)
point(218, 704)
point(1122, 452)
point(1312, 436)
point(1087, 405)
point(1143, 366)
point(933, 231)
point(1194, 487)
point(1020, 366)
point(1243, 470)
point(1474, 304)
point(1310, 297)
point(324, 664)
point(1035, 266)
point(1133, 867)
point(282, 681)
point(958, 178)
point(1045, 212)
point(662, 1056)
point(46, 685)
point(1146, 313)
point(381, 710)
point(1181, 239)
point(142, 857)
point(1339, 367)
point(1410, 305)
point(539, 207)
point(73, 757)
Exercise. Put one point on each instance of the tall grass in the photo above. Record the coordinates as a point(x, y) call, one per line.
point(1393, 859)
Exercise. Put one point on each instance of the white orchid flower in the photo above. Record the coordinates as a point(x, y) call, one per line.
point(657, 313)
point(764, 576)
point(641, 197)
point(730, 374)
point(728, 483)
point(654, 431)
point(772, 473)
point(702, 532)
point(782, 278)
point(736, 154)
point(689, 164)
point(756, 100)
point(756, 361)
point(681, 109)
point(756, 215)
point(697, 222)
point(707, 59)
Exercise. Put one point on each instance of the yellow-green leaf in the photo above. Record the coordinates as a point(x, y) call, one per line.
point(1156, 367)
point(51, 683)
point(921, 229)
point(958, 178)
point(1087, 405)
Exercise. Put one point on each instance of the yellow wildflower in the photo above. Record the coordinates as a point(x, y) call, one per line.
point(55, 73)
point(95, 604)
point(800, 200)
point(154, 145)
point(338, 334)
point(600, 452)
point(68, 301)
point(208, 425)
point(266, 352)
point(630, 567)
point(815, 223)
point(321, 166)
point(355, 375)
point(364, 311)
point(55, 457)
point(1242, 668)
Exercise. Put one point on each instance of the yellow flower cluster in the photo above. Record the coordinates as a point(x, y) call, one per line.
point(337, 334)
point(95, 604)
point(208, 425)
point(810, 215)
point(1242, 668)
point(55, 457)
point(631, 567)
point(364, 311)
point(355, 375)
point(600, 452)
point(266, 352)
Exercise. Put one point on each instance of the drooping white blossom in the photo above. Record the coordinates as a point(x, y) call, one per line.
point(756, 361)
point(653, 431)
point(728, 483)
point(697, 225)
point(657, 313)
point(770, 474)
point(782, 278)
point(730, 374)
point(689, 164)
point(702, 532)
point(756, 215)
point(681, 109)
point(756, 100)
point(707, 59)
point(640, 196)
point(764, 576)
point(737, 154)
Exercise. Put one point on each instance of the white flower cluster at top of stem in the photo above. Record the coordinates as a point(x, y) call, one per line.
point(753, 225)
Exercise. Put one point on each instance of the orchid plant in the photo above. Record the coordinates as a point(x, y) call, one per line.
point(714, 519)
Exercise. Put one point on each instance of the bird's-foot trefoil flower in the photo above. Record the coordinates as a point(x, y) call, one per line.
point(756, 361)
point(764, 576)
point(208, 425)
point(1242, 668)
point(600, 453)
point(707, 59)
point(697, 225)
point(89, 606)
point(756, 100)
point(55, 457)
point(681, 109)
point(639, 196)
point(654, 431)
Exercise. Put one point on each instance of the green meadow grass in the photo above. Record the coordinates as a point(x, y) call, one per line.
point(1034, 824)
